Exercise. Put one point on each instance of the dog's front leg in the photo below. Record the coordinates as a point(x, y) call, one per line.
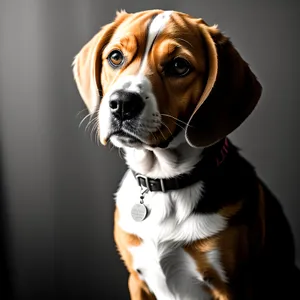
point(137, 289)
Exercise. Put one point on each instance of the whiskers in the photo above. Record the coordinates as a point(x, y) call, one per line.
point(171, 134)
point(162, 134)
point(80, 112)
point(92, 125)
point(154, 126)
point(179, 122)
point(164, 124)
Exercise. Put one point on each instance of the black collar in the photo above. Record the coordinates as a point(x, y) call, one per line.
point(213, 157)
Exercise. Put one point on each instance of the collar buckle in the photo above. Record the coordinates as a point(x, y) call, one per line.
point(157, 185)
point(139, 178)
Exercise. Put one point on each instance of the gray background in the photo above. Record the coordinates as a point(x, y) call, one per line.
point(59, 183)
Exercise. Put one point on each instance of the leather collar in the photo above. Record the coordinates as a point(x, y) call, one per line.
point(213, 157)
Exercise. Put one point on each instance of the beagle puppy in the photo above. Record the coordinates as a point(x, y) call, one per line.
point(192, 218)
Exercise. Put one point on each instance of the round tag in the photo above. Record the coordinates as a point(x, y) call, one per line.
point(139, 212)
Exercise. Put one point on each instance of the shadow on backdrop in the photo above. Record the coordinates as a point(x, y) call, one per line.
point(6, 288)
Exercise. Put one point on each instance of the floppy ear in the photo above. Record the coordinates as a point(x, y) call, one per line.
point(230, 95)
point(88, 62)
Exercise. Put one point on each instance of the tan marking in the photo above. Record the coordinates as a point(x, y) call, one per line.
point(230, 210)
point(208, 273)
point(137, 289)
point(232, 244)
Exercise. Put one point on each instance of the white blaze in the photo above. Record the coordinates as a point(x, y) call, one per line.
point(156, 26)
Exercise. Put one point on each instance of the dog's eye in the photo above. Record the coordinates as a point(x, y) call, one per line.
point(116, 58)
point(178, 67)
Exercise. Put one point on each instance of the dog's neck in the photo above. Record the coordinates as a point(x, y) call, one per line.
point(178, 158)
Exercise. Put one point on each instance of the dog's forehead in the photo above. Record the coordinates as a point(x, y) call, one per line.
point(147, 26)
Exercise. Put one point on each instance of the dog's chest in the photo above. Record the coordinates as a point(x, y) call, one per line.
point(169, 271)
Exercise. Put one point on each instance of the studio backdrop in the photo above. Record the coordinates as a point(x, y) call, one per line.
point(57, 184)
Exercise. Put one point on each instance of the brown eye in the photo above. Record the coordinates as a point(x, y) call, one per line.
point(178, 67)
point(116, 58)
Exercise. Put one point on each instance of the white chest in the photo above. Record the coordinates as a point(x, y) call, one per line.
point(170, 273)
point(166, 268)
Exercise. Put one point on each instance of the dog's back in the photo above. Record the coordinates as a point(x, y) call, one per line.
point(270, 271)
point(275, 271)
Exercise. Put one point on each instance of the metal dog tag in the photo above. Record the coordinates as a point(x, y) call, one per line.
point(139, 212)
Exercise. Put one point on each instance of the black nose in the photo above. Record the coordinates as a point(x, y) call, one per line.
point(125, 105)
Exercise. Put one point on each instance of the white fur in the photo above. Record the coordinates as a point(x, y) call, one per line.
point(214, 259)
point(158, 23)
point(166, 268)
point(149, 120)
point(170, 216)
point(168, 226)
point(169, 272)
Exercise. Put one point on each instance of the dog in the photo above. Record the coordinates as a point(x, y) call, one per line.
point(192, 219)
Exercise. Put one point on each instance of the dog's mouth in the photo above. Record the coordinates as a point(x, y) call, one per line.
point(146, 134)
point(126, 138)
point(130, 139)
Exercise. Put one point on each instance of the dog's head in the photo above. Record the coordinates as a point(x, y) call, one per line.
point(148, 74)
